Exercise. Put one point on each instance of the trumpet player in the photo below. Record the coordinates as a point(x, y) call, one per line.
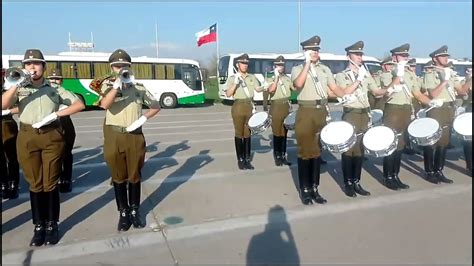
point(40, 142)
point(279, 87)
point(313, 82)
point(124, 143)
point(241, 87)
point(441, 86)
point(65, 183)
point(356, 112)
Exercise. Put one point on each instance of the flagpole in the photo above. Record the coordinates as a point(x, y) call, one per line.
point(217, 50)
point(299, 24)
point(156, 38)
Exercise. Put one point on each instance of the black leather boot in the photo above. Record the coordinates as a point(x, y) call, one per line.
point(467, 147)
point(239, 150)
point(357, 162)
point(396, 168)
point(277, 150)
point(283, 159)
point(124, 222)
point(14, 177)
point(347, 174)
point(428, 160)
point(37, 213)
point(304, 167)
point(134, 190)
point(52, 219)
point(388, 173)
point(440, 156)
point(247, 153)
point(315, 176)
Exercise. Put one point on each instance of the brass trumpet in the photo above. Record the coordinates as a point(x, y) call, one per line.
point(17, 76)
point(126, 75)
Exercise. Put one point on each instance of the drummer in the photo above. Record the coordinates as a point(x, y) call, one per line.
point(279, 87)
point(356, 111)
point(442, 87)
point(398, 111)
point(313, 83)
point(241, 87)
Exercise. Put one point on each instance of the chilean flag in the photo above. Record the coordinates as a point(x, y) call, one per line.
point(207, 35)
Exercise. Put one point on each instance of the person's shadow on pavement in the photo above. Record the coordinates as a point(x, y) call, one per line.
point(275, 245)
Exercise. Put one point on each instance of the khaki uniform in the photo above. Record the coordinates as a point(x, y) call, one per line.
point(414, 78)
point(280, 106)
point(312, 112)
point(242, 107)
point(36, 146)
point(445, 114)
point(357, 112)
point(379, 101)
point(124, 151)
point(10, 172)
point(398, 108)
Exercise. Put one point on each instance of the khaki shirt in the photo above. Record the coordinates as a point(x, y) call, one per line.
point(308, 92)
point(432, 79)
point(283, 89)
point(127, 106)
point(408, 86)
point(36, 103)
point(252, 83)
point(346, 77)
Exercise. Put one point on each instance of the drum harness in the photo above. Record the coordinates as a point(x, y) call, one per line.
point(243, 85)
point(357, 93)
point(320, 91)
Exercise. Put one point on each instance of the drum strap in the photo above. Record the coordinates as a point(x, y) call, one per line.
point(282, 86)
point(320, 91)
point(365, 100)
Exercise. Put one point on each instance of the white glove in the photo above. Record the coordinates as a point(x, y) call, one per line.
point(348, 98)
point(117, 84)
point(138, 123)
point(447, 73)
point(401, 68)
point(394, 89)
point(436, 103)
point(237, 78)
point(6, 112)
point(276, 72)
point(307, 56)
point(48, 119)
point(362, 74)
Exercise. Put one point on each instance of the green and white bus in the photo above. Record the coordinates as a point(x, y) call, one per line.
point(172, 81)
point(262, 64)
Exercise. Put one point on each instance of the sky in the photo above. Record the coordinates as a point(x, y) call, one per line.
point(244, 26)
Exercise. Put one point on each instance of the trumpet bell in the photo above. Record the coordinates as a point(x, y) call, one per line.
point(126, 75)
point(16, 75)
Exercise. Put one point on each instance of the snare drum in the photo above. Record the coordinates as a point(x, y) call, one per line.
point(377, 116)
point(289, 121)
point(424, 131)
point(463, 125)
point(380, 141)
point(259, 122)
point(338, 136)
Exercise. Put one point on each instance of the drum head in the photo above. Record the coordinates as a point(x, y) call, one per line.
point(337, 132)
point(258, 119)
point(463, 124)
point(378, 138)
point(290, 119)
point(423, 127)
point(377, 115)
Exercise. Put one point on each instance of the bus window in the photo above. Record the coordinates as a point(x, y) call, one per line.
point(461, 70)
point(289, 64)
point(15, 63)
point(160, 71)
point(223, 69)
point(191, 77)
point(83, 70)
point(101, 69)
point(49, 67)
point(336, 66)
point(67, 70)
point(142, 71)
point(170, 72)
